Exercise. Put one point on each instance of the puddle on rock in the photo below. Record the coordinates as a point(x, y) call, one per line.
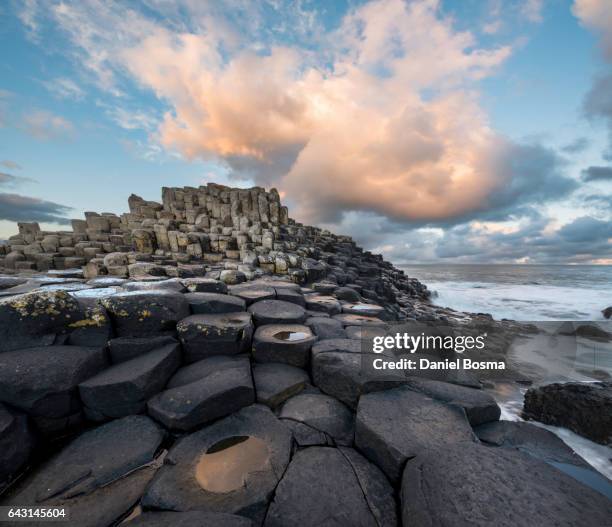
point(226, 465)
point(291, 336)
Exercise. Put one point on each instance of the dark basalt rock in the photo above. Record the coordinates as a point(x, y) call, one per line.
point(347, 294)
point(364, 332)
point(214, 303)
point(99, 475)
point(253, 293)
point(362, 308)
point(92, 328)
point(16, 444)
point(324, 304)
point(350, 319)
point(322, 413)
point(276, 312)
point(189, 519)
point(220, 392)
point(290, 295)
point(330, 486)
point(145, 313)
point(396, 425)
point(324, 288)
point(286, 343)
point(177, 488)
point(203, 368)
point(125, 388)
point(470, 484)
point(204, 285)
point(126, 348)
point(340, 369)
point(172, 285)
point(607, 313)
point(479, 406)
point(43, 381)
point(203, 336)
point(585, 408)
point(276, 382)
point(326, 328)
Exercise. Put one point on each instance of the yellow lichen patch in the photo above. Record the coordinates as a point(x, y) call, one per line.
point(96, 320)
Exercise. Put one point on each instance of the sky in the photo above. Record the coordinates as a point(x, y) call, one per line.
point(449, 131)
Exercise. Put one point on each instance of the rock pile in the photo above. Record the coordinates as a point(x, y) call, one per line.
point(177, 389)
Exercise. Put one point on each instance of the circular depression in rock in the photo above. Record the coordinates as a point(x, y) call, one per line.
point(291, 336)
point(227, 464)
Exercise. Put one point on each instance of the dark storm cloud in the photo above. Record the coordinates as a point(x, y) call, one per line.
point(576, 146)
point(598, 105)
point(14, 207)
point(9, 180)
point(597, 174)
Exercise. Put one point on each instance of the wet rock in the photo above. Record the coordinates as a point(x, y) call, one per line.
point(189, 519)
point(34, 319)
point(145, 313)
point(214, 303)
point(247, 471)
point(584, 408)
point(396, 425)
point(326, 328)
point(276, 312)
point(126, 348)
point(322, 413)
point(16, 444)
point(43, 381)
point(225, 387)
point(125, 388)
point(286, 343)
point(324, 304)
point(470, 484)
point(6, 282)
point(534, 440)
point(276, 382)
point(203, 336)
point(479, 406)
point(172, 284)
point(341, 368)
point(99, 475)
point(204, 285)
point(362, 308)
point(607, 313)
point(329, 486)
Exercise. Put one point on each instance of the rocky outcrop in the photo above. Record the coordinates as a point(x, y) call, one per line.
point(585, 408)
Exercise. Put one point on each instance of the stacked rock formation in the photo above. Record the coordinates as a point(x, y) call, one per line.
point(146, 399)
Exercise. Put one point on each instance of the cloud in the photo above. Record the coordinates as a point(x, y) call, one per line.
point(575, 147)
point(12, 165)
point(597, 174)
point(11, 181)
point(45, 126)
point(596, 15)
point(14, 207)
point(64, 88)
point(532, 10)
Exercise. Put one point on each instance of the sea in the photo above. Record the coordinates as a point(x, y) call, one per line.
point(520, 292)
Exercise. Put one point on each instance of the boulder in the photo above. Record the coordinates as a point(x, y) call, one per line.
point(396, 425)
point(276, 312)
point(470, 484)
point(99, 476)
point(188, 519)
point(326, 328)
point(286, 343)
point(340, 368)
point(584, 408)
point(145, 313)
point(43, 381)
point(126, 348)
point(324, 414)
point(348, 294)
point(203, 336)
point(276, 382)
point(331, 486)
point(224, 386)
point(16, 444)
point(214, 303)
point(607, 313)
point(231, 466)
point(480, 407)
point(125, 388)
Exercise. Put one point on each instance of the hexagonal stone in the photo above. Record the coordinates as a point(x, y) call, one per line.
point(16, 444)
point(172, 285)
point(479, 406)
point(203, 368)
point(214, 303)
point(342, 369)
point(253, 293)
point(349, 319)
point(322, 413)
point(396, 425)
point(364, 332)
point(331, 486)
point(471, 484)
point(325, 304)
point(99, 476)
point(203, 336)
point(276, 312)
point(231, 466)
point(204, 285)
point(144, 313)
point(362, 308)
point(347, 294)
point(286, 343)
point(290, 295)
point(275, 382)
point(188, 519)
point(326, 328)
point(43, 381)
point(125, 388)
point(220, 392)
point(126, 348)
